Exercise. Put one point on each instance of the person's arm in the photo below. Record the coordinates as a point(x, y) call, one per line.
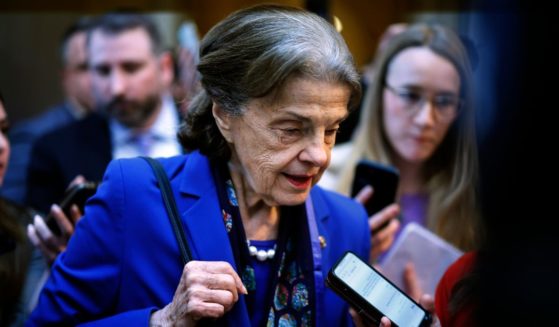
point(85, 279)
point(85, 283)
point(428, 303)
point(207, 289)
point(50, 244)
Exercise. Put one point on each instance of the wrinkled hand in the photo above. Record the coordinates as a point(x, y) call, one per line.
point(48, 243)
point(381, 239)
point(207, 289)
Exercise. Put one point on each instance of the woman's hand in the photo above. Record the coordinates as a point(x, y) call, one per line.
point(383, 225)
point(411, 282)
point(42, 237)
point(426, 301)
point(207, 289)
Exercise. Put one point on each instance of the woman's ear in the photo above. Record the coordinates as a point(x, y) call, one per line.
point(222, 120)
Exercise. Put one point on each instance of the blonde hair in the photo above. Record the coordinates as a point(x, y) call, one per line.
point(452, 171)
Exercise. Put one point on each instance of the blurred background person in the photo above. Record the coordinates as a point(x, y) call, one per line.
point(78, 103)
point(186, 57)
point(136, 115)
point(347, 127)
point(418, 116)
point(512, 280)
point(21, 268)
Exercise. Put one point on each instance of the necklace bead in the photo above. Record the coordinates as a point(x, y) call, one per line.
point(261, 255)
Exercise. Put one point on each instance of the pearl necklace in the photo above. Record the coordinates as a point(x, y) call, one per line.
point(261, 255)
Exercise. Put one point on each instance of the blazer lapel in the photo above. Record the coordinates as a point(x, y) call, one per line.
point(202, 213)
point(321, 212)
point(205, 229)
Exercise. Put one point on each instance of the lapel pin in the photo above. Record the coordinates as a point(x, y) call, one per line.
point(322, 241)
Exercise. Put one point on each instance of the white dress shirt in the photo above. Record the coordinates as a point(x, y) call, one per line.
point(158, 141)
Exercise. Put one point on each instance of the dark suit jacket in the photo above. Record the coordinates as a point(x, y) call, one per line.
point(83, 147)
point(22, 137)
point(123, 261)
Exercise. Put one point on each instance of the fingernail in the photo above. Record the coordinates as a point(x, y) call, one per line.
point(245, 292)
point(55, 207)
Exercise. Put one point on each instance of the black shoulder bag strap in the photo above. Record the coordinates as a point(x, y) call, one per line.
point(171, 206)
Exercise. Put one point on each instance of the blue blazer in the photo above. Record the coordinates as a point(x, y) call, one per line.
point(123, 261)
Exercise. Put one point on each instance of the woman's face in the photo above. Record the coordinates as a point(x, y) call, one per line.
point(422, 89)
point(4, 143)
point(281, 144)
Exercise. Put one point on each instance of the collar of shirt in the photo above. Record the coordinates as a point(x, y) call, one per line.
point(164, 130)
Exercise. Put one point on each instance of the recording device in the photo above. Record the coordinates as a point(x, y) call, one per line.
point(77, 194)
point(384, 180)
point(372, 295)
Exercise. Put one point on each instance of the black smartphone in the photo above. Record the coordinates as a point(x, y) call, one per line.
point(373, 295)
point(384, 180)
point(77, 194)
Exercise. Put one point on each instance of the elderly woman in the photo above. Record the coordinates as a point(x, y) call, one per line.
point(276, 83)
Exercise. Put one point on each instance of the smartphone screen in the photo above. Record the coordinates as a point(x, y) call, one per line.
point(379, 292)
point(384, 180)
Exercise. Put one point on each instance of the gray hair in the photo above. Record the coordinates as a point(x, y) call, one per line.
point(252, 53)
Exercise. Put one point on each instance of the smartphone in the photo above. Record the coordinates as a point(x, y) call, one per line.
point(384, 180)
point(77, 194)
point(373, 295)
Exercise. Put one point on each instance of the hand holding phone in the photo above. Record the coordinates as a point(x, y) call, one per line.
point(77, 194)
point(374, 296)
point(384, 180)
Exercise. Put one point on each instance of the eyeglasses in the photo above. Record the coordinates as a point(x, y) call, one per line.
point(447, 106)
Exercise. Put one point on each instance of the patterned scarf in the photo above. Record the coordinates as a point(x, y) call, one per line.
point(290, 296)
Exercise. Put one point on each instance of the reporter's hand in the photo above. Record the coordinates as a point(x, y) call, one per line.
point(411, 282)
point(428, 303)
point(77, 180)
point(42, 237)
point(381, 239)
point(207, 289)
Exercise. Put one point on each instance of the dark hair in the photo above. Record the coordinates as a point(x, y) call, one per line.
point(118, 22)
point(82, 25)
point(252, 53)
